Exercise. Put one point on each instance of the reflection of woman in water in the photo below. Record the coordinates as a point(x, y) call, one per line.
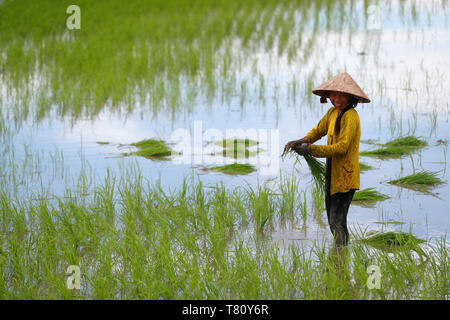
point(342, 127)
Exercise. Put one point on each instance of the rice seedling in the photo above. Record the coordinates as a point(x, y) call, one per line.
point(317, 171)
point(152, 148)
point(238, 153)
point(397, 147)
point(318, 196)
point(289, 195)
point(408, 141)
point(364, 167)
point(423, 178)
point(393, 239)
point(303, 206)
point(316, 167)
point(261, 204)
point(369, 194)
point(387, 152)
point(231, 143)
point(238, 148)
point(234, 168)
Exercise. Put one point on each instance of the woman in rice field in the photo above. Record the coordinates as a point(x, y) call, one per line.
point(342, 127)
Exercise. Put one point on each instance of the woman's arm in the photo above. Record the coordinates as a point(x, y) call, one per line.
point(348, 131)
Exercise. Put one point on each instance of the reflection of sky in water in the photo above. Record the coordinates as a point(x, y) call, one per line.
point(404, 71)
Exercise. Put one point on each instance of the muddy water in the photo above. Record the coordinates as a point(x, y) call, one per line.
point(401, 62)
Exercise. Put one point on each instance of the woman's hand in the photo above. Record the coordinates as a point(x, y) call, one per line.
point(292, 145)
point(302, 149)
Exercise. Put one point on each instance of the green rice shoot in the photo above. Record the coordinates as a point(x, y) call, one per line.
point(237, 148)
point(369, 194)
point(235, 168)
point(151, 148)
point(316, 167)
point(317, 171)
point(364, 167)
point(389, 151)
point(393, 239)
point(229, 143)
point(423, 178)
point(409, 141)
point(396, 148)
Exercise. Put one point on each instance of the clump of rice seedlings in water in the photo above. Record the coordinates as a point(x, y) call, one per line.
point(238, 148)
point(318, 196)
point(235, 168)
point(397, 147)
point(102, 142)
point(261, 205)
point(423, 178)
point(409, 141)
point(393, 239)
point(152, 148)
point(364, 167)
point(303, 206)
point(228, 143)
point(239, 153)
point(369, 194)
point(393, 152)
point(289, 195)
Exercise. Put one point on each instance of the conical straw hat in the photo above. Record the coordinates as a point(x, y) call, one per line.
point(343, 82)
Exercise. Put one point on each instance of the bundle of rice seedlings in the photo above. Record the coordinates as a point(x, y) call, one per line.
point(397, 147)
point(230, 143)
point(423, 178)
point(389, 151)
point(235, 168)
point(364, 167)
point(409, 141)
point(316, 167)
point(317, 171)
point(151, 148)
point(393, 239)
point(238, 153)
point(237, 148)
point(369, 194)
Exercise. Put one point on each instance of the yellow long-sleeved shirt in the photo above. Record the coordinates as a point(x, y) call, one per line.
point(342, 148)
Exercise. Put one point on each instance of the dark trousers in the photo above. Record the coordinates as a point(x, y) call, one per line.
point(337, 206)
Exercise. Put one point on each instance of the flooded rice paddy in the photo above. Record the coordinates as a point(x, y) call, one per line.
point(75, 190)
